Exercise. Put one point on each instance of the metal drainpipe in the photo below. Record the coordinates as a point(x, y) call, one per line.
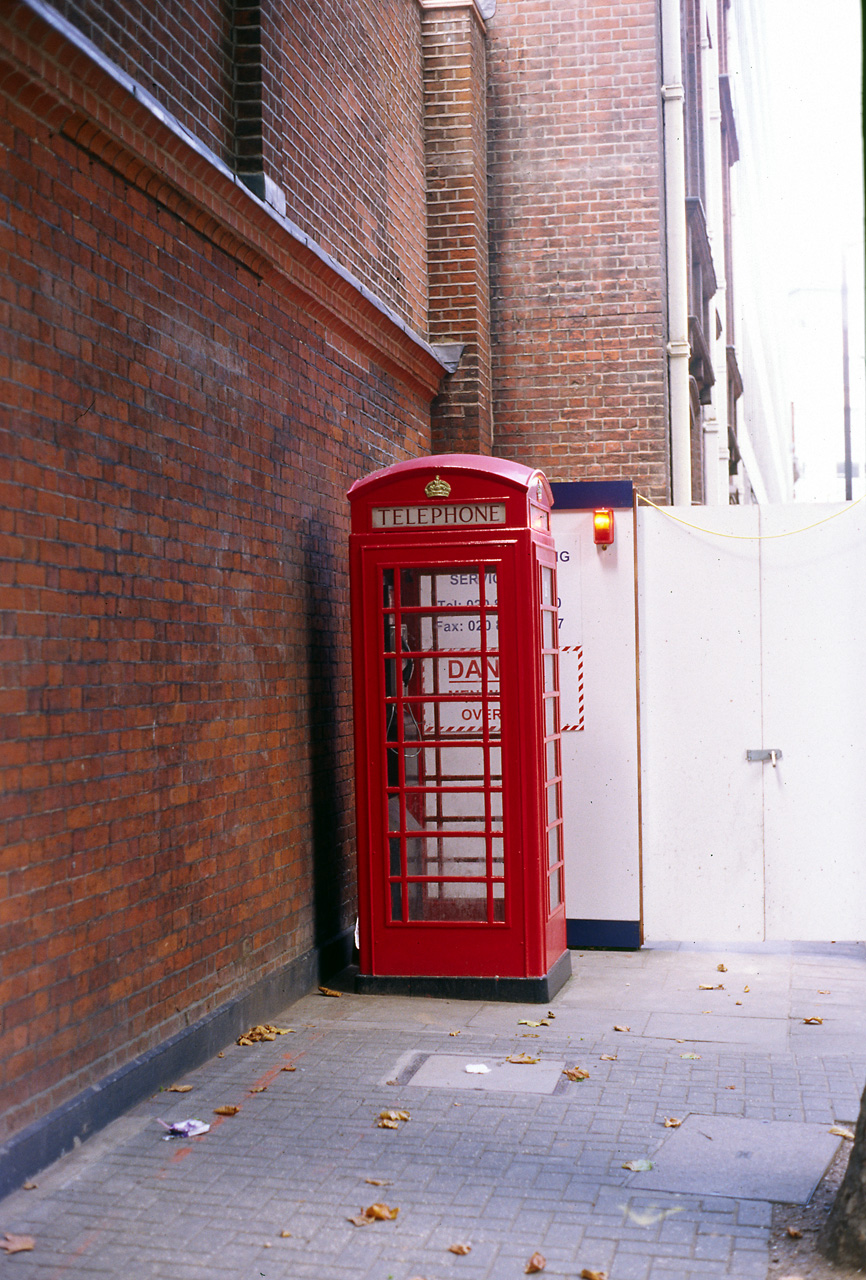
point(676, 247)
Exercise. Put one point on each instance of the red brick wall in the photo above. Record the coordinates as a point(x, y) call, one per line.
point(576, 240)
point(177, 437)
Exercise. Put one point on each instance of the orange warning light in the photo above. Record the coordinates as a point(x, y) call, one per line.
point(602, 527)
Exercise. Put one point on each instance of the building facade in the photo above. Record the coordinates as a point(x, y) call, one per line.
point(252, 253)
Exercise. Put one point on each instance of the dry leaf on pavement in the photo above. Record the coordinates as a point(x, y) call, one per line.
point(722, 968)
point(528, 1022)
point(823, 993)
point(374, 1213)
point(226, 1111)
point(264, 1031)
point(17, 1244)
point(638, 1166)
point(536, 1263)
point(576, 1073)
point(693, 1056)
point(588, 1274)
point(327, 991)
point(179, 1088)
point(454, 1033)
point(521, 1059)
point(288, 1068)
point(461, 1249)
point(813, 1022)
point(379, 1182)
point(795, 1234)
point(29, 1186)
point(622, 1028)
point(285, 1235)
point(608, 1057)
point(671, 1122)
point(839, 1132)
point(745, 989)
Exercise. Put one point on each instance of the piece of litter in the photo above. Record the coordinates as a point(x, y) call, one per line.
point(693, 1056)
point(17, 1244)
point(536, 1263)
point(477, 1069)
point(461, 1249)
point(329, 991)
point(839, 1132)
point(528, 1022)
point(738, 1002)
point(638, 1166)
point(185, 1128)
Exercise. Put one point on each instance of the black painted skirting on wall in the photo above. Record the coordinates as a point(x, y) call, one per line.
point(84, 1115)
point(605, 935)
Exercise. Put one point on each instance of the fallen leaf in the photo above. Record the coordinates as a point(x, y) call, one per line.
point(638, 1166)
point(530, 1035)
point(360, 1220)
point(672, 1123)
point(536, 1263)
point(551, 1014)
point(259, 1088)
point(622, 1028)
point(527, 1022)
point(379, 1182)
point(394, 1115)
point(746, 989)
point(179, 1088)
point(693, 1056)
point(264, 1031)
point(588, 1274)
point(226, 1111)
point(706, 986)
point(839, 1132)
point(454, 1033)
point(30, 1186)
point(813, 1022)
point(795, 1234)
point(267, 1245)
point(461, 1249)
point(327, 991)
point(730, 1086)
point(381, 1212)
point(521, 1059)
point(221, 1054)
point(608, 1057)
point(576, 1073)
point(722, 968)
point(285, 1235)
point(288, 1068)
point(17, 1244)
point(823, 993)
point(738, 1002)
point(387, 1124)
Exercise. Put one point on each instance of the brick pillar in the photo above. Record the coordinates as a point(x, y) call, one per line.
point(455, 117)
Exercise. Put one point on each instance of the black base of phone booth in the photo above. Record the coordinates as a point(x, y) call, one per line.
point(517, 990)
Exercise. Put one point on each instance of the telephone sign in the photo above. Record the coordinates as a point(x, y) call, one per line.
point(458, 785)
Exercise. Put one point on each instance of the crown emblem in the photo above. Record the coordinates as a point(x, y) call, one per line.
point(438, 488)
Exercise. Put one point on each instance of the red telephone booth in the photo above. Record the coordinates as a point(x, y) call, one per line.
point(454, 631)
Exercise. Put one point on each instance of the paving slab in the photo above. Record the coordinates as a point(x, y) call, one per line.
point(454, 1071)
point(743, 1159)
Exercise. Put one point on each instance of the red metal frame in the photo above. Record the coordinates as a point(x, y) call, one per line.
point(455, 874)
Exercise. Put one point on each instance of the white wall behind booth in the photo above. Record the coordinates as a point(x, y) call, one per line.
point(599, 717)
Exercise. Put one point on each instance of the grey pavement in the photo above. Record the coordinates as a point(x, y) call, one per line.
point(511, 1160)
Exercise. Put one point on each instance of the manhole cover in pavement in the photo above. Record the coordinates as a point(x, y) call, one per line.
point(448, 1071)
point(777, 1160)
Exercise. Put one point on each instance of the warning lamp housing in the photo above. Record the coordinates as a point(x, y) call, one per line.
point(602, 527)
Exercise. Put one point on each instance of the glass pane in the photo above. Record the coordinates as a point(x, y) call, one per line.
point(550, 759)
point(555, 894)
point(388, 588)
point(553, 846)
point(549, 673)
point(448, 903)
point(496, 807)
point(546, 585)
point(490, 586)
point(389, 632)
point(553, 802)
point(396, 902)
point(549, 716)
point(453, 855)
point(463, 673)
point(457, 808)
point(548, 629)
point(460, 632)
point(464, 716)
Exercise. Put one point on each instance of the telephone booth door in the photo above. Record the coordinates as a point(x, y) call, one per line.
point(457, 748)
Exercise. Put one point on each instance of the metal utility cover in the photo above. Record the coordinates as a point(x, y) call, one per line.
point(448, 1071)
point(776, 1160)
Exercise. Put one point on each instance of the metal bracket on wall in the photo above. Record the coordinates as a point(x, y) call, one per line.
point(762, 754)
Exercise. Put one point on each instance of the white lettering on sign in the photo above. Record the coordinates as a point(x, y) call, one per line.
point(452, 513)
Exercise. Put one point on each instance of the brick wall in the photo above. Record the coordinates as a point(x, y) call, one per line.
point(179, 428)
point(576, 240)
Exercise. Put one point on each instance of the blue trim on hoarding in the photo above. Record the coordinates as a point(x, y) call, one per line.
point(606, 935)
point(586, 495)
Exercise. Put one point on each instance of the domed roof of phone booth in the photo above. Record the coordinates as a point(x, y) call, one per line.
point(502, 469)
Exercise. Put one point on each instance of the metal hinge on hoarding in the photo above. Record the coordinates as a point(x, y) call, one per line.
point(762, 754)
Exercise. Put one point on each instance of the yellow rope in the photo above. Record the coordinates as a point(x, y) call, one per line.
point(747, 537)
